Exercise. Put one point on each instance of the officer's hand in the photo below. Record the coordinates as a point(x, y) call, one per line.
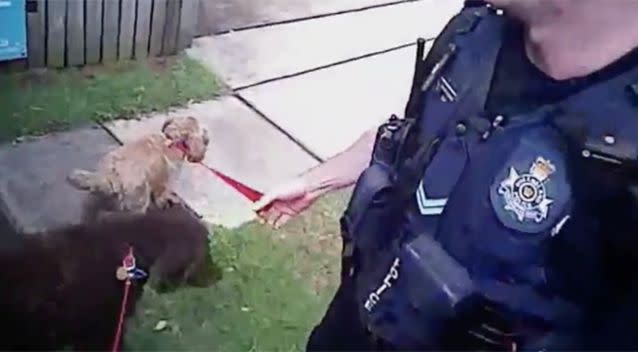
point(285, 201)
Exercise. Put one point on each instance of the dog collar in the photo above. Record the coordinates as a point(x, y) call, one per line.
point(180, 145)
point(129, 270)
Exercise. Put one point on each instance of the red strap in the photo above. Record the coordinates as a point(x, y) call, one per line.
point(120, 321)
point(127, 261)
point(250, 193)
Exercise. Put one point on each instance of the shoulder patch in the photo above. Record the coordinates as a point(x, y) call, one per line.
point(531, 192)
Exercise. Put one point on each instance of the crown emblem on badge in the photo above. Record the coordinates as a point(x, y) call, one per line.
point(542, 169)
point(524, 194)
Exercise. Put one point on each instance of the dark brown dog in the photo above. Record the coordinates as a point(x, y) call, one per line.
point(59, 289)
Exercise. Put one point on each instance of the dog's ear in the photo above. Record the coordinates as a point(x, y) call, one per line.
point(166, 123)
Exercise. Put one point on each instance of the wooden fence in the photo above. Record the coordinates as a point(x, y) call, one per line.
point(63, 33)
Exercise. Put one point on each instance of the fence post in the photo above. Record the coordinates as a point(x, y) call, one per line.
point(110, 29)
point(157, 27)
point(75, 32)
point(143, 28)
point(127, 29)
point(187, 23)
point(93, 31)
point(36, 35)
point(56, 11)
point(171, 27)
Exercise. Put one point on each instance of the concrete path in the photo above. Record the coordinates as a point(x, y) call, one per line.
point(300, 91)
point(327, 110)
point(224, 15)
point(249, 57)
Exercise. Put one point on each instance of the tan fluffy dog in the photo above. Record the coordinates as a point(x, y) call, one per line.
point(136, 175)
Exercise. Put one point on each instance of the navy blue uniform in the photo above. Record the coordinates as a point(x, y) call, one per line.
point(498, 214)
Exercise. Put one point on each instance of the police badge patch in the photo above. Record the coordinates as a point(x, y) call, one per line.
point(531, 192)
point(525, 194)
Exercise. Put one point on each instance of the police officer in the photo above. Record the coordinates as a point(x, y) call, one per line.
point(498, 213)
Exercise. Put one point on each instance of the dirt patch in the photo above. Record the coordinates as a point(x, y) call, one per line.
point(161, 64)
point(91, 71)
point(155, 64)
point(39, 77)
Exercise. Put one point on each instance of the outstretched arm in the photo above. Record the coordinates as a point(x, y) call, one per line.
point(293, 196)
point(343, 169)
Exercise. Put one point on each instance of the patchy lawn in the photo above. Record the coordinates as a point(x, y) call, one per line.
point(36, 103)
point(275, 287)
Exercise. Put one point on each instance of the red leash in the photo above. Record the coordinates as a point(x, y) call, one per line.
point(120, 322)
point(127, 272)
point(248, 192)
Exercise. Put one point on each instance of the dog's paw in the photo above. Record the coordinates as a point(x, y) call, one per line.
point(173, 199)
point(161, 284)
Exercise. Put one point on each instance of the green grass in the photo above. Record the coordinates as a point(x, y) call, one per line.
point(36, 103)
point(275, 287)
